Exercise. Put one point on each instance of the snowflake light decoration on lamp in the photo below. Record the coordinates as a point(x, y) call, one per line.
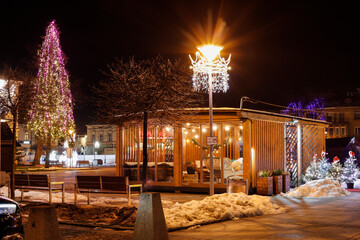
point(210, 70)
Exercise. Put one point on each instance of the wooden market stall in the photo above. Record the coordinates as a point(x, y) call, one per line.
point(248, 141)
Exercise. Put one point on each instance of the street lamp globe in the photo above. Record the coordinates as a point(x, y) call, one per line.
point(210, 51)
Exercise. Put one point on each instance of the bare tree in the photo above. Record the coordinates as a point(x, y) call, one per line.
point(136, 91)
point(14, 99)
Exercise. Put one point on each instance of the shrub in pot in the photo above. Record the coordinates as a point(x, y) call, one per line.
point(264, 183)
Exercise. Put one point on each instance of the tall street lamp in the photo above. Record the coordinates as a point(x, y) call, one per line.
point(210, 73)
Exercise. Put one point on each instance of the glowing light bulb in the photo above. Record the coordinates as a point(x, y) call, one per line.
point(196, 136)
point(193, 130)
point(210, 51)
point(241, 127)
point(214, 127)
point(187, 124)
point(227, 128)
point(167, 129)
point(203, 130)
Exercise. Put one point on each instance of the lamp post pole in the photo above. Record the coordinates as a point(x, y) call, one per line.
point(210, 73)
point(212, 187)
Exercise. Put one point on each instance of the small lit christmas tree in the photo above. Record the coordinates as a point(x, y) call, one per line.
point(350, 169)
point(313, 172)
point(51, 112)
point(335, 171)
point(324, 164)
point(317, 169)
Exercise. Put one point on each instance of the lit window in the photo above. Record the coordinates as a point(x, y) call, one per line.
point(343, 131)
point(357, 115)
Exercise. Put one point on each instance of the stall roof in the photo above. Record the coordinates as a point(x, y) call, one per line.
point(244, 113)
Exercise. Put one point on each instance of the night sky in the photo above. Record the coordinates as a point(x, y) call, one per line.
point(280, 49)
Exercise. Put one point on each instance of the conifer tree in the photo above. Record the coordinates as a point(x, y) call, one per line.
point(51, 112)
point(335, 170)
point(350, 169)
point(317, 169)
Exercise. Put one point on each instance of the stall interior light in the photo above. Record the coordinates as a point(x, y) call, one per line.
point(167, 129)
point(193, 130)
point(241, 127)
point(187, 124)
point(227, 128)
point(214, 127)
point(203, 130)
point(196, 136)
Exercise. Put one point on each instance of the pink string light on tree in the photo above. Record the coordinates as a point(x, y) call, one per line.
point(51, 113)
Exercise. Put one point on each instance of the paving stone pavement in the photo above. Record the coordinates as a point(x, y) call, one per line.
point(337, 218)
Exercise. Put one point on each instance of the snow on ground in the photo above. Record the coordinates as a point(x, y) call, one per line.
point(322, 188)
point(95, 199)
point(356, 184)
point(219, 207)
point(213, 208)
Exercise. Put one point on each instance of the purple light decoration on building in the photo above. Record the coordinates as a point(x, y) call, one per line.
point(314, 110)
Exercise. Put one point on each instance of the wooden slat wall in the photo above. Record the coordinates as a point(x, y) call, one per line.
point(268, 144)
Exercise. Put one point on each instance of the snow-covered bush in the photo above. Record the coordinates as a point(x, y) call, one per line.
point(350, 169)
point(335, 171)
point(317, 169)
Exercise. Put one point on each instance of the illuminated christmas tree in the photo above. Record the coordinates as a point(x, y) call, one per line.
point(350, 169)
point(317, 169)
point(335, 170)
point(51, 113)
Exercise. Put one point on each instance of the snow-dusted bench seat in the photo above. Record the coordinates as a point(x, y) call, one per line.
point(38, 182)
point(104, 184)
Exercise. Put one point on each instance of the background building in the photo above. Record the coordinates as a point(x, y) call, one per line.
point(105, 135)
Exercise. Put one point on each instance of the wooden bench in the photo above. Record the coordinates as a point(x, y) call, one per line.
point(82, 162)
point(104, 184)
point(38, 182)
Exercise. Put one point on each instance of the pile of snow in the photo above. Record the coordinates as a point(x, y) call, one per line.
point(219, 207)
point(322, 188)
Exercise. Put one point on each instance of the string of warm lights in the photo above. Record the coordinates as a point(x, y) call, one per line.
point(217, 67)
point(51, 113)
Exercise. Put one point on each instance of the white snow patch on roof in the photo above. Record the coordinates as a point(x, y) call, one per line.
point(219, 207)
point(323, 188)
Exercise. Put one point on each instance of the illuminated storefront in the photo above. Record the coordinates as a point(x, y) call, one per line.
point(247, 141)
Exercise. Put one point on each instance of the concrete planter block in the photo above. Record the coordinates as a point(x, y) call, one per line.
point(150, 220)
point(42, 224)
